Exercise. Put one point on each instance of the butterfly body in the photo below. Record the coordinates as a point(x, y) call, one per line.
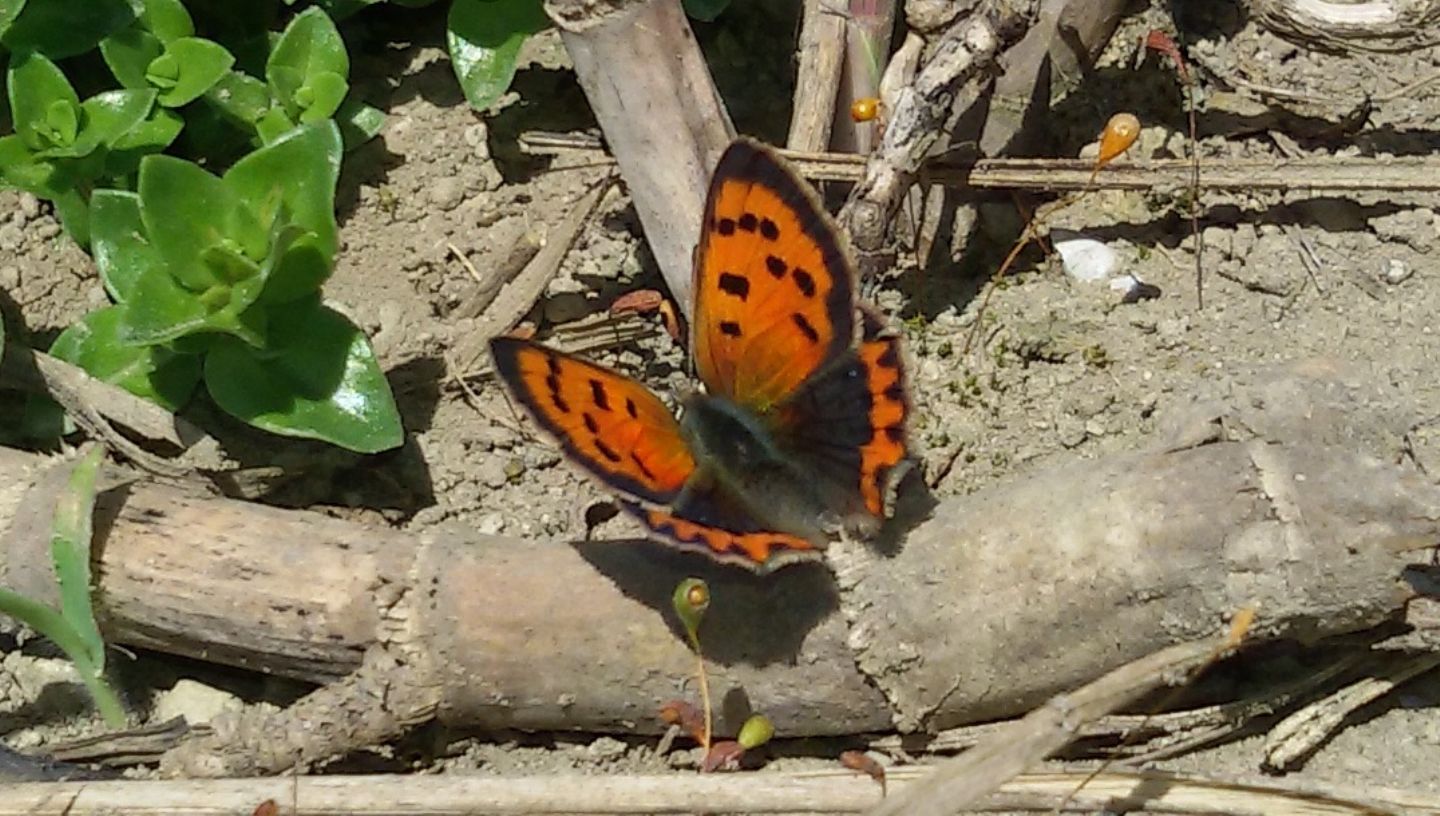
point(800, 429)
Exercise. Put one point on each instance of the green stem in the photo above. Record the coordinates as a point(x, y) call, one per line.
point(50, 624)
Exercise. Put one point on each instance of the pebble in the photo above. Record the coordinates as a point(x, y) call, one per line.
point(1086, 259)
point(1395, 271)
point(29, 205)
point(447, 192)
point(490, 523)
point(11, 237)
point(9, 278)
point(195, 701)
point(491, 472)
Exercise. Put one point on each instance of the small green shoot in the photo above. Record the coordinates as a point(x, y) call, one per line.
point(691, 599)
point(72, 627)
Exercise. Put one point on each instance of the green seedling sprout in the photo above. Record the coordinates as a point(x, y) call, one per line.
point(72, 627)
point(691, 599)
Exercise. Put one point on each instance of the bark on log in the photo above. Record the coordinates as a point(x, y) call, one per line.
point(993, 603)
point(652, 93)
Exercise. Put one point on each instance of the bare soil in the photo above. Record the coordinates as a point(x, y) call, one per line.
point(1047, 368)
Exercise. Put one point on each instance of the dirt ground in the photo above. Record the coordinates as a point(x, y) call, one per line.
point(1057, 368)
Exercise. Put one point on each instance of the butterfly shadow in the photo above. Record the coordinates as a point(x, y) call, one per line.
point(754, 619)
point(913, 504)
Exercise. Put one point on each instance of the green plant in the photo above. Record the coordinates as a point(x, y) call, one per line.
point(62, 146)
point(72, 627)
point(484, 39)
point(217, 279)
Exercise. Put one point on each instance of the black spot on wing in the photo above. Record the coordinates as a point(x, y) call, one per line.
point(598, 395)
point(734, 285)
point(729, 328)
point(748, 222)
point(553, 383)
point(895, 393)
point(725, 226)
point(630, 408)
point(890, 358)
point(590, 424)
point(640, 464)
point(553, 363)
point(775, 266)
point(768, 230)
point(804, 282)
point(606, 451)
point(805, 328)
point(895, 433)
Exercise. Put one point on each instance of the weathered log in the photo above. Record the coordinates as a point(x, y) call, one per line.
point(990, 604)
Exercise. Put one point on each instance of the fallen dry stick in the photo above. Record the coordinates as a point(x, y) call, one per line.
point(1089, 565)
point(816, 792)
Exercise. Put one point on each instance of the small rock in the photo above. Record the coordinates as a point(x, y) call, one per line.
point(447, 192)
point(46, 230)
point(11, 237)
point(29, 205)
point(9, 278)
point(1395, 271)
point(1085, 259)
point(196, 702)
point(607, 748)
point(490, 523)
point(491, 472)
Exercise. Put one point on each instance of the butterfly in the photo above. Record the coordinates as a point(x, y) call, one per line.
point(800, 430)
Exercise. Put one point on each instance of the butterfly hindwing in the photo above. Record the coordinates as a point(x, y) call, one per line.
point(620, 431)
point(774, 288)
point(705, 521)
point(846, 425)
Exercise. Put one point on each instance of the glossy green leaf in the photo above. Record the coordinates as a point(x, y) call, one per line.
point(35, 86)
point(97, 344)
point(359, 122)
point(152, 135)
point(20, 168)
point(202, 63)
point(240, 97)
point(129, 52)
point(64, 28)
point(167, 19)
point(484, 38)
point(73, 210)
point(186, 210)
point(300, 265)
point(109, 117)
point(9, 10)
point(274, 125)
point(294, 178)
point(319, 98)
point(160, 310)
point(118, 243)
point(319, 380)
point(309, 46)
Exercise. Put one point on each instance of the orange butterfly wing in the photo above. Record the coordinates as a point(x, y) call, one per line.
point(774, 290)
point(748, 546)
point(614, 426)
point(889, 409)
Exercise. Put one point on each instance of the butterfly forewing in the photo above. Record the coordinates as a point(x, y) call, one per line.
point(774, 290)
point(611, 424)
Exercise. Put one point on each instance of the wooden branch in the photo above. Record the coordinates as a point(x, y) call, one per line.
point(796, 792)
point(919, 115)
point(821, 51)
point(652, 93)
point(1377, 25)
point(500, 633)
point(1313, 176)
